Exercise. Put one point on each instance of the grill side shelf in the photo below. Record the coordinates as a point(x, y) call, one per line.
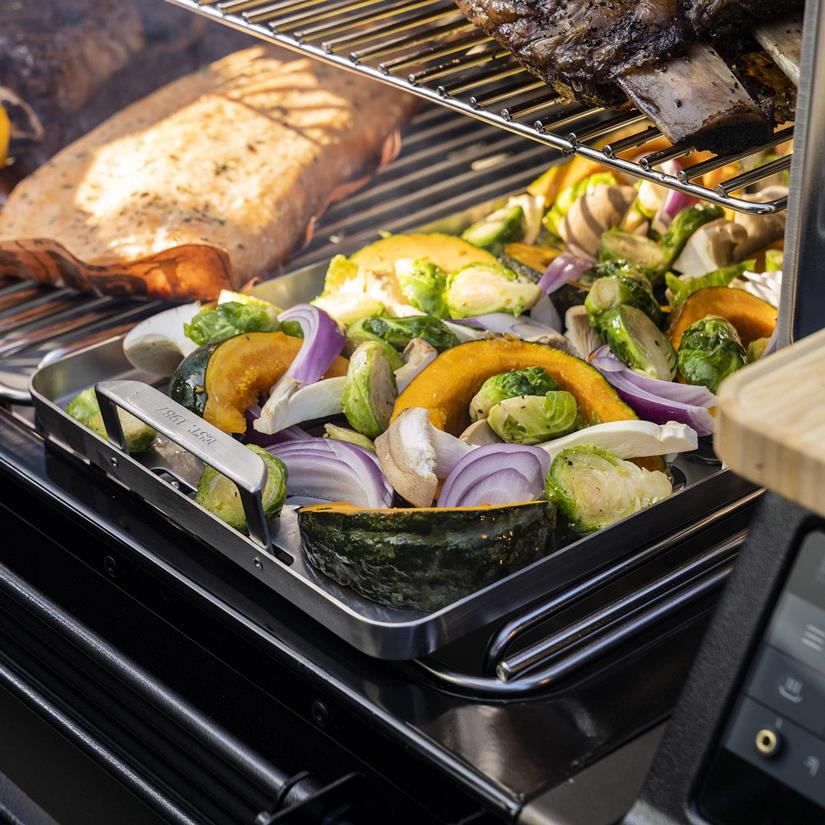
point(428, 48)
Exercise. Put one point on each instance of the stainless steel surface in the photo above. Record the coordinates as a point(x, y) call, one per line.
point(379, 631)
point(195, 435)
point(803, 284)
point(447, 165)
point(507, 635)
point(428, 48)
point(561, 654)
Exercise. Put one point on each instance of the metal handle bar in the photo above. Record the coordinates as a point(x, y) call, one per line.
point(193, 434)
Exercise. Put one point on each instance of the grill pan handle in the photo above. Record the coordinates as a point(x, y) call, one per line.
point(192, 433)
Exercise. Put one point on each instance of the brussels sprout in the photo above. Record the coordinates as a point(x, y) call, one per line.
point(479, 289)
point(773, 260)
point(567, 197)
point(370, 390)
point(220, 496)
point(503, 226)
point(635, 251)
point(221, 321)
point(710, 350)
point(682, 288)
point(85, 409)
point(398, 332)
point(497, 388)
point(339, 270)
point(637, 341)
point(346, 297)
point(423, 284)
point(350, 436)
point(592, 488)
point(618, 290)
point(684, 225)
point(756, 349)
point(532, 419)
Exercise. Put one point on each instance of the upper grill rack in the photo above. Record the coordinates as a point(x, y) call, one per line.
point(428, 48)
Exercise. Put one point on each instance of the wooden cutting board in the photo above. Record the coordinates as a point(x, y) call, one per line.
point(771, 422)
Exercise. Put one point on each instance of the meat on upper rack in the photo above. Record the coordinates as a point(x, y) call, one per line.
point(733, 18)
point(603, 51)
point(580, 47)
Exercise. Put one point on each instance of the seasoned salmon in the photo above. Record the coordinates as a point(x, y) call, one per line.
point(240, 155)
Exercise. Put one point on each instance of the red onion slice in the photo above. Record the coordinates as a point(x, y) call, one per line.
point(502, 323)
point(655, 400)
point(475, 479)
point(333, 471)
point(252, 436)
point(674, 201)
point(323, 341)
point(562, 269)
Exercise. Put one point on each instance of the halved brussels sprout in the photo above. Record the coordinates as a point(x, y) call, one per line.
point(682, 288)
point(499, 228)
point(479, 289)
point(636, 251)
point(85, 409)
point(710, 350)
point(618, 290)
point(337, 433)
point(637, 341)
point(423, 284)
point(684, 225)
point(533, 419)
point(370, 390)
point(221, 321)
point(398, 332)
point(497, 388)
point(592, 488)
point(220, 496)
point(756, 349)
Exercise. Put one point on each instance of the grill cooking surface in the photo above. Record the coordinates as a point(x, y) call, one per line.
point(427, 47)
point(447, 164)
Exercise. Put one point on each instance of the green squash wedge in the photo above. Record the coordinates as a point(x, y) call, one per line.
point(221, 380)
point(423, 558)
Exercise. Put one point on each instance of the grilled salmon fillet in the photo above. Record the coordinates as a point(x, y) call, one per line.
point(240, 155)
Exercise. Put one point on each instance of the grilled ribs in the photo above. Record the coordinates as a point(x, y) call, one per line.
point(580, 46)
point(603, 51)
point(726, 19)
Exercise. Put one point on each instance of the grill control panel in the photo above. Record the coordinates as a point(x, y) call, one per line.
point(770, 766)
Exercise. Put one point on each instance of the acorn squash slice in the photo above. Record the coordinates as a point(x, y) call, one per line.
point(423, 558)
point(221, 380)
point(752, 317)
point(446, 251)
point(446, 387)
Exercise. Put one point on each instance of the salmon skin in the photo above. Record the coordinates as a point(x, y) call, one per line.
point(239, 156)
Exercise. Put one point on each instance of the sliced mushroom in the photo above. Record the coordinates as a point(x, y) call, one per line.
point(417, 354)
point(414, 455)
point(761, 230)
point(292, 402)
point(592, 215)
point(710, 247)
point(480, 433)
point(157, 345)
point(582, 339)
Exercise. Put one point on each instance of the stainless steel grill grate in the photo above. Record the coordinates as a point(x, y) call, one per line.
point(447, 165)
point(427, 47)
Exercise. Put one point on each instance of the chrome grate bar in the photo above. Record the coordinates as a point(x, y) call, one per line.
point(427, 48)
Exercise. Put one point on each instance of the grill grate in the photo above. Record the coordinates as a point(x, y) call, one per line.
point(428, 48)
point(447, 164)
